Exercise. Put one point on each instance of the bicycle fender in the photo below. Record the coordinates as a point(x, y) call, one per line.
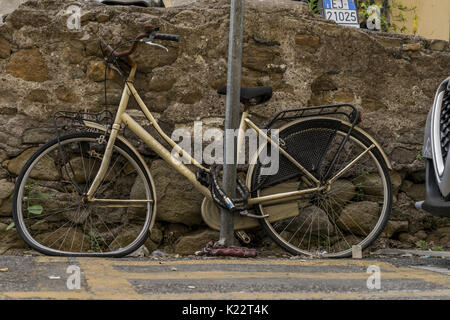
point(97, 126)
point(359, 130)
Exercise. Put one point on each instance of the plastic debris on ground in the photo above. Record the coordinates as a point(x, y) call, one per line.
point(159, 253)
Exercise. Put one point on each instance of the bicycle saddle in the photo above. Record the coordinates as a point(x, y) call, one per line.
point(253, 96)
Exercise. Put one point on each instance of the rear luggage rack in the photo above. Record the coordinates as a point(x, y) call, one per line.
point(347, 110)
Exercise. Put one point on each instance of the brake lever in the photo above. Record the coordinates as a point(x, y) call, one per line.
point(113, 67)
point(150, 43)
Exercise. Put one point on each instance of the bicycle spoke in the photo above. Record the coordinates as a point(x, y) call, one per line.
point(330, 225)
point(56, 218)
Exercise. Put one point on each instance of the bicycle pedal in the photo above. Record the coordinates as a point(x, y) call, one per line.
point(241, 234)
point(245, 213)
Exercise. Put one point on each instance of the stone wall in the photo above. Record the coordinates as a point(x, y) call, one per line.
point(173, 3)
point(7, 6)
point(44, 66)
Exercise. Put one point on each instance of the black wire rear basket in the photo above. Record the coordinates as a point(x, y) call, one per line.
point(74, 121)
point(304, 142)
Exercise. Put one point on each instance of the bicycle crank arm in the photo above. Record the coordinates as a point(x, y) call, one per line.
point(241, 234)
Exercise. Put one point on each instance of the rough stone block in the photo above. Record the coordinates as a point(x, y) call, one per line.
point(174, 3)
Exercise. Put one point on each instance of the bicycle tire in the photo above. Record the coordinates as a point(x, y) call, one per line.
point(329, 125)
point(42, 151)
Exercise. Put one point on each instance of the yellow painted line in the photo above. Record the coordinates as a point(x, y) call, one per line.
point(45, 259)
point(176, 275)
point(83, 295)
point(105, 282)
point(295, 295)
point(60, 295)
point(388, 271)
point(403, 272)
point(428, 276)
point(338, 263)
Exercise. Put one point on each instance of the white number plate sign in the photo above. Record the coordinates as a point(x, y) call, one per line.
point(344, 12)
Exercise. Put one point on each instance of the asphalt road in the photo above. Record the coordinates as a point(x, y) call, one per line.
point(40, 277)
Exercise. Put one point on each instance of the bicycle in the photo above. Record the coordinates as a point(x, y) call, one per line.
point(90, 193)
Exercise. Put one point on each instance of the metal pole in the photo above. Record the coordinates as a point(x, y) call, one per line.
point(232, 116)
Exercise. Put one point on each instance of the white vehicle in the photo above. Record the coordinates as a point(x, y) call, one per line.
point(435, 151)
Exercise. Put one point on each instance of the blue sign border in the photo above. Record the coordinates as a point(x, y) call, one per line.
point(326, 4)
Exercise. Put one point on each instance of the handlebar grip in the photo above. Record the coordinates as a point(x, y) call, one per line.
point(110, 51)
point(169, 37)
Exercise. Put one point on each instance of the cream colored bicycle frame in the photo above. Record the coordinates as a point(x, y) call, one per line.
point(122, 118)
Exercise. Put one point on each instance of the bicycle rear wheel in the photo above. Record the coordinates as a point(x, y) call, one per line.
point(353, 210)
point(53, 217)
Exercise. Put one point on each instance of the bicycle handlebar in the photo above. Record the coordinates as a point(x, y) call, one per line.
point(168, 37)
point(150, 32)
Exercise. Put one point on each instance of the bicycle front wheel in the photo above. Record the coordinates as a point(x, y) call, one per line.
point(52, 215)
point(353, 210)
